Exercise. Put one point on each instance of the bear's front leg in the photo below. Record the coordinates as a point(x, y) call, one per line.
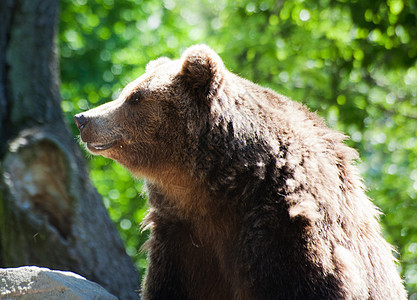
point(165, 277)
point(181, 266)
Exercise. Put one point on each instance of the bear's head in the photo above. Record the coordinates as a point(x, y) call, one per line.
point(155, 122)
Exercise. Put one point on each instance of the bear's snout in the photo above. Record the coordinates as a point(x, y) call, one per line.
point(80, 120)
point(96, 135)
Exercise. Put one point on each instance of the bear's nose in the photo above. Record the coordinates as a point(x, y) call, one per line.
point(80, 121)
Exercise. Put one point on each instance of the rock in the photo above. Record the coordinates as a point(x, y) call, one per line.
point(36, 283)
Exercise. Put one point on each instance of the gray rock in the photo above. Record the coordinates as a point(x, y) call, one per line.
point(41, 283)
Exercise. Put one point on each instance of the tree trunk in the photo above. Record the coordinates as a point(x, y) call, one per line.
point(50, 215)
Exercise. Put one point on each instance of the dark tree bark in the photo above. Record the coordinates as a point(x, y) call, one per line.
point(50, 215)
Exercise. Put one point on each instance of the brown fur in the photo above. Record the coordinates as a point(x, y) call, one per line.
point(252, 196)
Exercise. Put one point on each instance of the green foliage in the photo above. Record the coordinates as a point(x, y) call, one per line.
point(352, 61)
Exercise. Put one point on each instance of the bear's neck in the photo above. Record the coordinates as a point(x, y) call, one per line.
point(179, 195)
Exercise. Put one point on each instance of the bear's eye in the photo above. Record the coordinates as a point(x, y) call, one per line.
point(135, 97)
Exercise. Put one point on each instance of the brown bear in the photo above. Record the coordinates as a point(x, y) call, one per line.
point(252, 196)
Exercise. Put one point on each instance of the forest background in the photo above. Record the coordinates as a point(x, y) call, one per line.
point(354, 62)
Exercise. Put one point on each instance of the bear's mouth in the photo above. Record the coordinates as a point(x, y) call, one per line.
point(99, 146)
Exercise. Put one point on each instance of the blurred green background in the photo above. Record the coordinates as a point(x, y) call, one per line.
point(354, 62)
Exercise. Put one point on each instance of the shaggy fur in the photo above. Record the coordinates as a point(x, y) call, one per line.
point(252, 196)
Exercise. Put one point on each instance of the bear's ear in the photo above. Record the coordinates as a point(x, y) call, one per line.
point(202, 70)
point(156, 63)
